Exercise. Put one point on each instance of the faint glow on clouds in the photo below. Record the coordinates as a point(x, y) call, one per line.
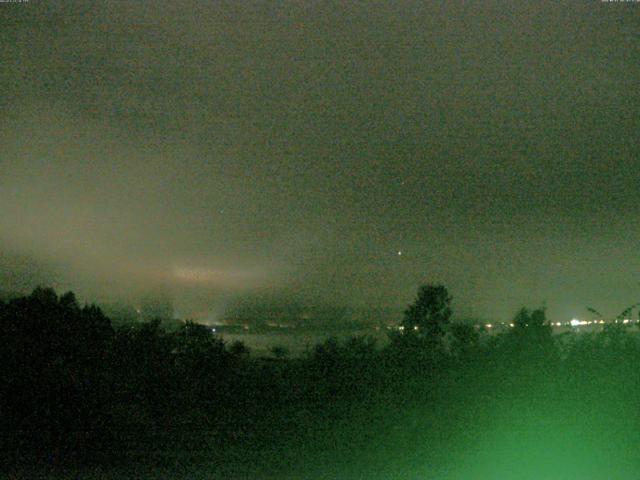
point(215, 277)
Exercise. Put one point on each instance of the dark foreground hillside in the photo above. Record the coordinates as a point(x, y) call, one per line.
point(82, 399)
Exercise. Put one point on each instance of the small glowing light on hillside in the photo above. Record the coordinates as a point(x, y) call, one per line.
point(415, 327)
point(401, 328)
point(489, 325)
point(399, 253)
point(626, 320)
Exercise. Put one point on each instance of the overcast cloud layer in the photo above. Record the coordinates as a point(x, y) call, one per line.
point(232, 150)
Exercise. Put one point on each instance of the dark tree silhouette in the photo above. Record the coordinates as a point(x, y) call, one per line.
point(361, 348)
point(530, 344)
point(428, 316)
point(239, 349)
point(52, 377)
point(532, 324)
point(70, 383)
point(465, 340)
point(280, 351)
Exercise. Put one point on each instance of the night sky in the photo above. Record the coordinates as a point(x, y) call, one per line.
point(323, 153)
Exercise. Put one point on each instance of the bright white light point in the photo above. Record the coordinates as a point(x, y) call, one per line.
point(399, 252)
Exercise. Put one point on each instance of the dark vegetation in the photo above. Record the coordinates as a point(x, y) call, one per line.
point(441, 400)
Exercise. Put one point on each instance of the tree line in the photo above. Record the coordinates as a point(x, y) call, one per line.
point(77, 387)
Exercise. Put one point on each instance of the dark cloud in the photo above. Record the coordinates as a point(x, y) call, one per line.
point(234, 148)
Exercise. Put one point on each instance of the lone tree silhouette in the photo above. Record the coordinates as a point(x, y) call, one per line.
point(428, 316)
point(532, 324)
